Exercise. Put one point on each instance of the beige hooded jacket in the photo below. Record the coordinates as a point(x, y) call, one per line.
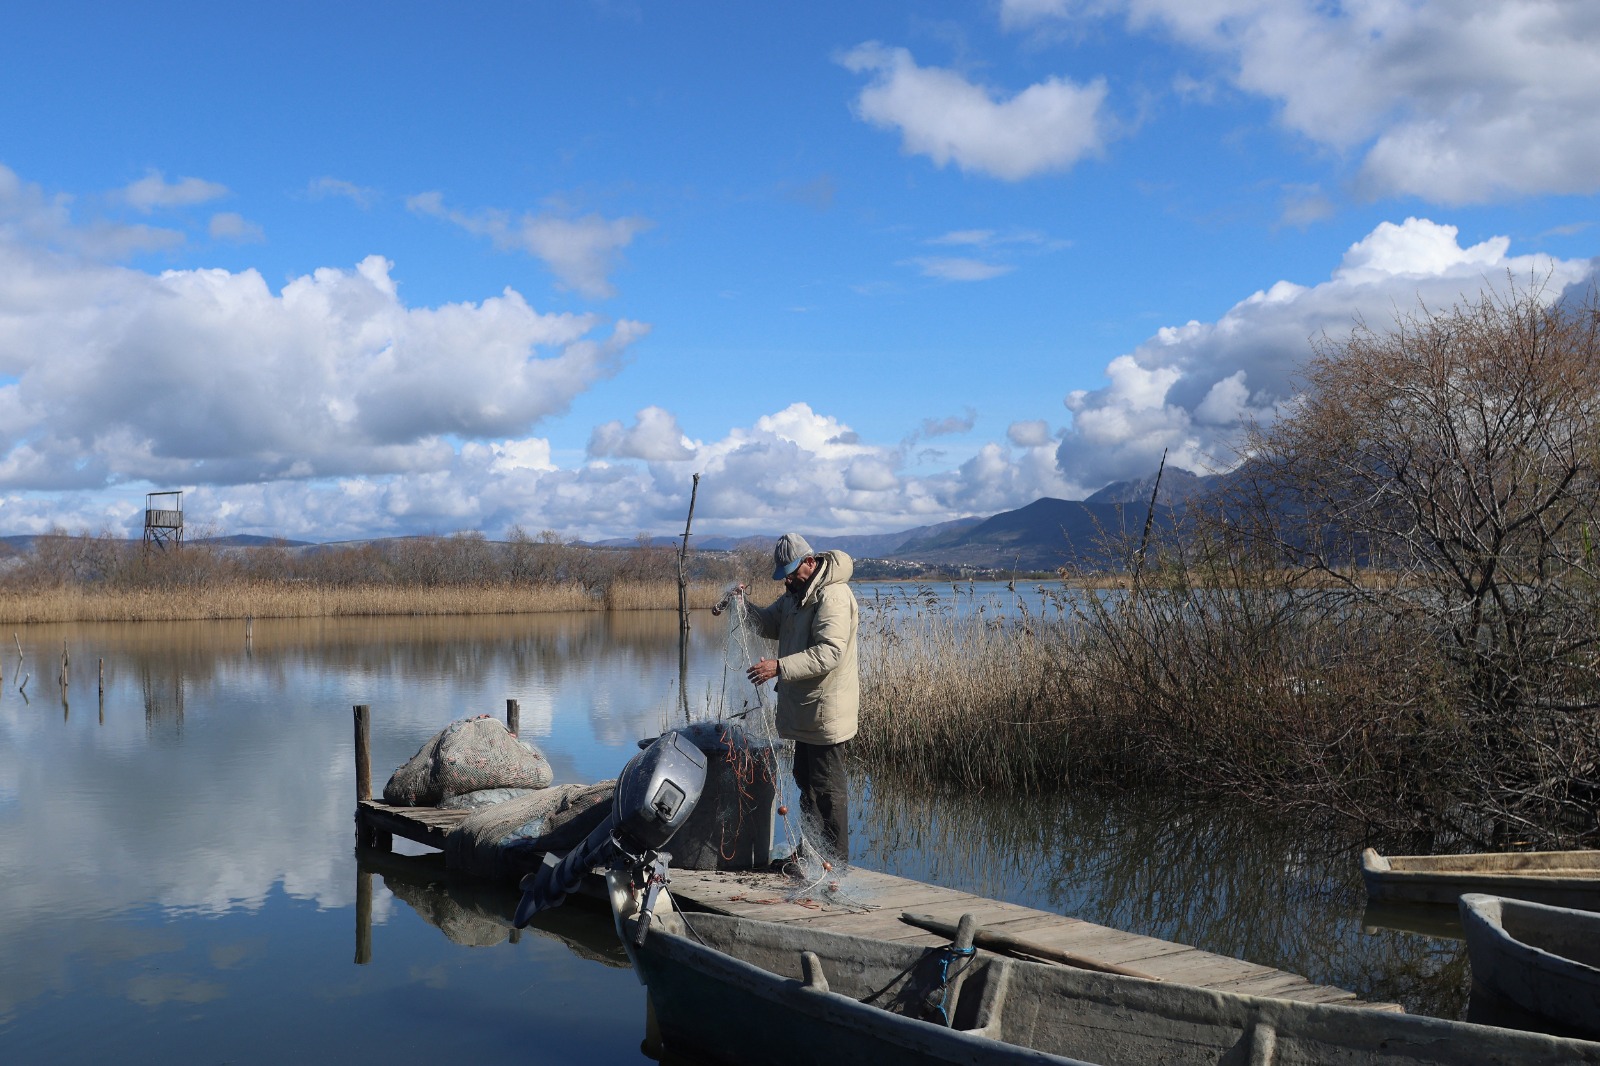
point(819, 687)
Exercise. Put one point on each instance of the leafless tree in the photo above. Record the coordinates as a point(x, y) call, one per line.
point(1457, 457)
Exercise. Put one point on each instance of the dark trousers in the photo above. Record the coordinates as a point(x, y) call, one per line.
point(819, 773)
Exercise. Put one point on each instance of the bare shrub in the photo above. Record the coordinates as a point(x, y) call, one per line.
point(1460, 453)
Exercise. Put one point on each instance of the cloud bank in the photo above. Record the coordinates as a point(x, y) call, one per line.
point(1191, 388)
point(110, 375)
point(332, 409)
point(1449, 102)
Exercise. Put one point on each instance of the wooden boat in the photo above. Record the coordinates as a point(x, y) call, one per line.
point(733, 990)
point(1543, 959)
point(1560, 878)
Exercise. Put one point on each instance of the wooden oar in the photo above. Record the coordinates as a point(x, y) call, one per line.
point(997, 941)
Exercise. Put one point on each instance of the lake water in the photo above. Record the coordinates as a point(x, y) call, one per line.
point(179, 882)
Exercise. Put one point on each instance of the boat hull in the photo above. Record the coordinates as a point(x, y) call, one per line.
point(1558, 878)
point(1545, 960)
point(734, 990)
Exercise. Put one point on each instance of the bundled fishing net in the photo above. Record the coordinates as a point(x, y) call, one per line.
point(815, 876)
point(510, 838)
point(469, 755)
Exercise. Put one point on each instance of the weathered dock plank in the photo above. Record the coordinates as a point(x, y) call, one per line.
point(425, 825)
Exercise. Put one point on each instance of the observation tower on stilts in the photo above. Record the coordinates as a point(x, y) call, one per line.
point(163, 520)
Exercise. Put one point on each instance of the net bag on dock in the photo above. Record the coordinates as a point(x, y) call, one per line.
point(467, 756)
point(508, 839)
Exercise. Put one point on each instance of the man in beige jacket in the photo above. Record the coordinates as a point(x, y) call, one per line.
point(819, 687)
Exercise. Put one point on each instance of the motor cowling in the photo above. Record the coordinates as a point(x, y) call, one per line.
point(656, 792)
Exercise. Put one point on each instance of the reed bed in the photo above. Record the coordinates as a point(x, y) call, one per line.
point(1251, 693)
point(100, 577)
point(967, 699)
point(297, 600)
point(657, 596)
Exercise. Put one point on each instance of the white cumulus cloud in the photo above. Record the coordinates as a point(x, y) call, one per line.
point(1190, 388)
point(110, 375)
point(1046, 127)
point(654, 436)
point(1456, 103)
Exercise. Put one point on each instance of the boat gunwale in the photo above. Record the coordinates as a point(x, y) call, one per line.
point(1472, 910)
point(1300, 1019)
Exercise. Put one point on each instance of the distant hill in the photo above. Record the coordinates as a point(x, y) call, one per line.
point(884, 545)
point(860, 545)
point(1177, 485)
point(250, 540)
point(1046, 534)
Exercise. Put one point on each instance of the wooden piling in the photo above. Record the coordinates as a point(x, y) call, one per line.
point(513, 716)
point(366, 834)
point(363, 716)
point(363, 752)
point(102, 680)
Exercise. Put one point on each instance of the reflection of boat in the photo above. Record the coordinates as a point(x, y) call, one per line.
point(735, 990)
point(1544, 959)
point(1437, 920)
point(474, 912)
point(1562, 878)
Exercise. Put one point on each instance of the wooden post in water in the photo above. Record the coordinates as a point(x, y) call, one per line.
point(363, 715)
point(366, 835)
point(513, 717)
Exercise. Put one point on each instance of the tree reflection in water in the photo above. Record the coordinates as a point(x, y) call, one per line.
point(1276, 890)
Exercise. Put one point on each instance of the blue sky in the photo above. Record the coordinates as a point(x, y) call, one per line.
point(361, 269)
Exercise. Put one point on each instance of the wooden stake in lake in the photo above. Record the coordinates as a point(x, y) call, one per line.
point(683, 603)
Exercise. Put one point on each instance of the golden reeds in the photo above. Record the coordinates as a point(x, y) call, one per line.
point(266, 599)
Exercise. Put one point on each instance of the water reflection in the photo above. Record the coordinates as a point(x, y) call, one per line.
point(182, 866)
point(477, 913)
point(1236, 882)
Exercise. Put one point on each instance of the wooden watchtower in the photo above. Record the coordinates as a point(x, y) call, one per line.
point(163, 520)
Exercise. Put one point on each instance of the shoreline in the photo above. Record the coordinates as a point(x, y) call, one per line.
point(246, 599)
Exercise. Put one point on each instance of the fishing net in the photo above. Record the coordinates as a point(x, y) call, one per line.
point(469, 755)
point(761, 761)
point(510, 838)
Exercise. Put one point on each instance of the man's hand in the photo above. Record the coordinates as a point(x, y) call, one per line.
point(727, 601)
point(765, 670)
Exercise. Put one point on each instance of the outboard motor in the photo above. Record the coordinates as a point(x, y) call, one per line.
point(656, 791)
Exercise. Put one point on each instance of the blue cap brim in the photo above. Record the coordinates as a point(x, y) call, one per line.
point(784, 571)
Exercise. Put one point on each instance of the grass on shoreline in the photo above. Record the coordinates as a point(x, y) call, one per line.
point(268, 599)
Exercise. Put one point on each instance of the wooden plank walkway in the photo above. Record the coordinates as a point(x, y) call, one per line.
point(766, 897)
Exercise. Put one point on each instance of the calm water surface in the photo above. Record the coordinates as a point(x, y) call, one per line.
point(180, 882)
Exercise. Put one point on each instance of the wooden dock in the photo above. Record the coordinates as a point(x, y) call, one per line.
point(768, 897)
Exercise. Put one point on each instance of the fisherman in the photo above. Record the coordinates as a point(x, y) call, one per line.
point(819, 688)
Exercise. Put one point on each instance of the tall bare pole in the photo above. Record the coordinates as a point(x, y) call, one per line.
point(683, 603)
point(1149, 519)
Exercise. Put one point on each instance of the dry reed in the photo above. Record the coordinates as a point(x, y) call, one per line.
point(301, 600)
